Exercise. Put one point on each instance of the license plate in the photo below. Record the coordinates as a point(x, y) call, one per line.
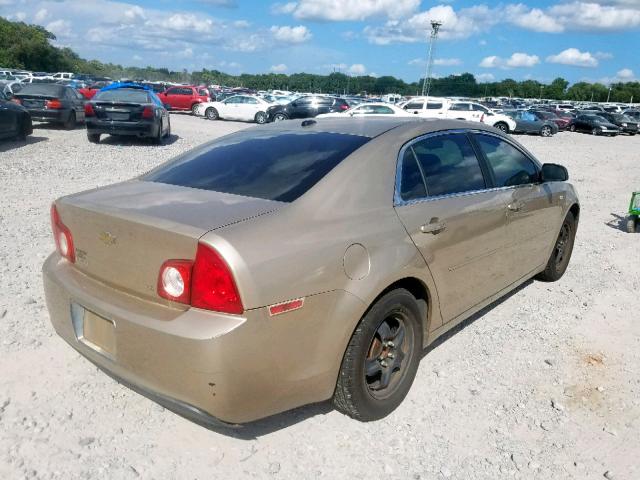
point(99, 333)
point(119, 116)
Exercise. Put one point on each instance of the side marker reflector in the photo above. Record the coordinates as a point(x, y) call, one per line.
point(286, 307)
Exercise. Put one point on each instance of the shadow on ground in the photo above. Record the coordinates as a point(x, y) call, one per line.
point(7, 145)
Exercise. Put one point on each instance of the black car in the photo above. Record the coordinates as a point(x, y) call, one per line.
point(51, 102)
point(15, 121)
point(625, 123)
point(307, 107)
point(633, 114)
point(127, 110)
point(594, 124)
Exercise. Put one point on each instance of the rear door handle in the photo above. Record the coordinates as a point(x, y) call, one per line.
point(515, 206)
point(434, 227)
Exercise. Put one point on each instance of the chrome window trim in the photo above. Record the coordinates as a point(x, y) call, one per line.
point(398, 201)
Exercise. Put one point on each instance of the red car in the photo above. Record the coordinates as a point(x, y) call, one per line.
point(89, 91)
point(561, 121)
point(182, 97)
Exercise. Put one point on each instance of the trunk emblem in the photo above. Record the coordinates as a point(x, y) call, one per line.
point(107, 238)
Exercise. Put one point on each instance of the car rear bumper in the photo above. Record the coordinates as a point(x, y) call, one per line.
point(140, 129)
point(49, 115)
point(208, 366)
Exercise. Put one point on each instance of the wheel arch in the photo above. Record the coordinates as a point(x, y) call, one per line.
point(575, 209)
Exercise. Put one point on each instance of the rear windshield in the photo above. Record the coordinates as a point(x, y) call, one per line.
point(270, 165)
point(43, 89)
point(130, 95)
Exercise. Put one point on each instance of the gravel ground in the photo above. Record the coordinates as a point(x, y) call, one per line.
point(543, 384)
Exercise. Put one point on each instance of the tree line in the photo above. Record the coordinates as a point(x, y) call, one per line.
point(29, 47)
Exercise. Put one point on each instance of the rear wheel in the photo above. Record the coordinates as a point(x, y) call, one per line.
point(168, 134)
point(261, 118)
point(561, 254)
point(158, 139)
point(279, 117)
point(594, 131)
point(93, 137)
point(211, 113)
point(546, 131)
point(382, 358)
point(502, 126)
point(194, 107)
point(70, 124)
point(572, 128)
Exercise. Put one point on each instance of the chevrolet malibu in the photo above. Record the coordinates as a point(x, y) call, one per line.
point(302, 261)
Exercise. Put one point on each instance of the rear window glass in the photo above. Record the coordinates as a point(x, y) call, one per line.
point(123, 95)
point(43, 89)
point(273, 166)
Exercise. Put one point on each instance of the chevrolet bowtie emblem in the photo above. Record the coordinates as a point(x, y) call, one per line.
point(107, 238)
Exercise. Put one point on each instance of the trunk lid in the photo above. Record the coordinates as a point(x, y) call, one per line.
point(35, 101)
point(118, 111)
point(123, 233)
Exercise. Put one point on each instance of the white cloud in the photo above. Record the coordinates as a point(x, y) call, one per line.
point(280, 68)
point(626, 74)
point(288, 34)
point(421, 62)
point(60, 28)
point(532, 19)
point(447, 62)
point(41, 15)
point(347, 10)
point(517, 60)
point(574, 57)
point(357, 69)
point(485, 77)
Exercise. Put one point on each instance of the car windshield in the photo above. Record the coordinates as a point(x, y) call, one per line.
point(50, 89)
point(129, 95)
point(274, 166)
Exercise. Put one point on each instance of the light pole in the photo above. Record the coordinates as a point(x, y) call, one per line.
point(426, 84)
point(609, 95)
point(541, 88)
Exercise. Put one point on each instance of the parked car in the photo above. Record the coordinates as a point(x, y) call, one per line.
point(90, 90)
point(239, 107)
point(369, 110)
point(15, 121)
point(306, 107)
point(184, 97)
point(62, 76)
point(11, 87)
point(594, 124)
point(634, 114)
point(52, 102)
point(127, 109)
point(625, 123)
point(529, 122)
point(424, 106)
point(297, 262)
point(561, 122)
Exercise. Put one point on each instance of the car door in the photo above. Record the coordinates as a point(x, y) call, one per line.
point(456, 221)
point(301, 107)
point(8, 122)
point(248, 108)
point(414, 106)
point(77, 101)
point(460, 111)
point(230, 108)
point(533, 209)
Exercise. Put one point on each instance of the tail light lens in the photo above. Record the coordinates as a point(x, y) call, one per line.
point(88, 110)
point(147, 112)
point(62, 236)
point(204, 283)
point(54, 104)
point(16, 100)
point(344, 107)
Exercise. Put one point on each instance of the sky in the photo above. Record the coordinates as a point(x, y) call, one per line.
point(580, 40)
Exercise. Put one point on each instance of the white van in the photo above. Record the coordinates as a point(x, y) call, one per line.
point(62, 76)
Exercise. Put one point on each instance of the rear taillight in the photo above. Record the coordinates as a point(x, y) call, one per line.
point(147, 112)
point(344, 107)
point(16, 100)
point(213, 286)
point(206, 282)
point(88, 110)
point(174, 280)
point(62, 236)
point(54, 104)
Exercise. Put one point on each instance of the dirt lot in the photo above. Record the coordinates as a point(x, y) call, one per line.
point(544, 384)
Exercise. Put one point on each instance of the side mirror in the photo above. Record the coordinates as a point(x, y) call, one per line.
point(553, 173)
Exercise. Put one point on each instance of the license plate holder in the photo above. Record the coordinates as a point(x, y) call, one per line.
point(99, 333)
point(118, 117)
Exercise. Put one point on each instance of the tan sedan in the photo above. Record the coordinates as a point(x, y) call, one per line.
point(302, 261)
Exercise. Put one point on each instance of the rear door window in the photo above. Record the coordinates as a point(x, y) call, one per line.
point(510, 166)
point(273, 166)
point(449, 164)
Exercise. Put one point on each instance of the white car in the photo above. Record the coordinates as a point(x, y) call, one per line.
point(246, 108)
point(369, 110)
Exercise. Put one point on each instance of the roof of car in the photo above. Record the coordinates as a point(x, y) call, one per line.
point(367, 127)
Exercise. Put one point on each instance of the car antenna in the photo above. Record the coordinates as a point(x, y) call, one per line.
point(308, 123)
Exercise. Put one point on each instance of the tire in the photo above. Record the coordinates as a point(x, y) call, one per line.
point(93, 137)
point(632, 224)
point(24, 130)
point(546, 131)
point(279, 117)
point(561, 254)
point(572, 128)
point(168, 134)
point(70, 124)
point(194, 107)
point(361, 395)
point(502, 127)
point(211, 114)
point(159, 138)
point(594, 131)
point(261, 118)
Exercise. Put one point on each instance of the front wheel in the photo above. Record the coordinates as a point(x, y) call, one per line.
point(279, 117)
point(594, 131)
point(194, 108)
point(261, 118)
point(502, 127)
point(546, 131)
point(211, 113)
point(93, 137)
point(382, 358)
point(572, 128)
point(561, 254)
